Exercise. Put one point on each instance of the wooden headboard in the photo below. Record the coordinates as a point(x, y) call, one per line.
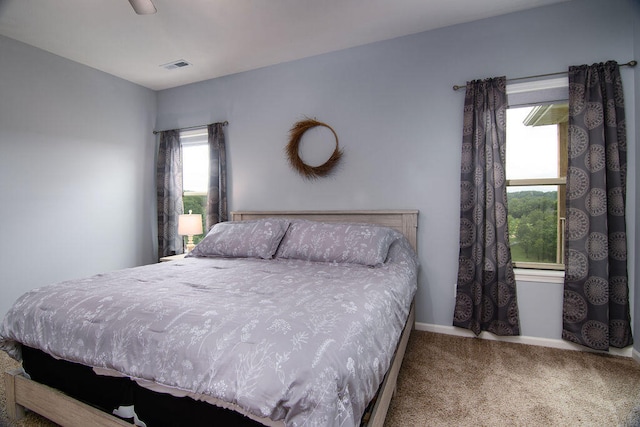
point(405, 221)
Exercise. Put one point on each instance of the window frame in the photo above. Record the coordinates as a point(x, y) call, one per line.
point(200, 135)
point(560, 223)
point(195, 137)
point(536, 93)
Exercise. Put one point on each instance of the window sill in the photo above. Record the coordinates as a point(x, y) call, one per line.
point(541, 276)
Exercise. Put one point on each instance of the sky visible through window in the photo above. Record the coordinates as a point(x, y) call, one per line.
point(532, 151)
point(195, 166)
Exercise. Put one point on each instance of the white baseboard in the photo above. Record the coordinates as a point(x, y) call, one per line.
point(543, 342)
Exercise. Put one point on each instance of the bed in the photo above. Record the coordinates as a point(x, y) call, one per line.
point(300, 375)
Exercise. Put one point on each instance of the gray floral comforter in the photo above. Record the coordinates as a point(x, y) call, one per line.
point(304, 342)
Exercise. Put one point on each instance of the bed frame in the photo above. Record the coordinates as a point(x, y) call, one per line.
point(23, 393)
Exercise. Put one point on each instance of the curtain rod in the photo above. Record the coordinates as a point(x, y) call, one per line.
point(225, 123)
point(632, 63)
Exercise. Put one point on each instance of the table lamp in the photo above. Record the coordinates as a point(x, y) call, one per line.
point(190, 225)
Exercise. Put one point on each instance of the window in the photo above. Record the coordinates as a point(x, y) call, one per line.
point(536, 180)
point(195, 173)
point(536, 170)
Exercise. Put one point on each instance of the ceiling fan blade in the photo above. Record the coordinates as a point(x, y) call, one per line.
point(143, 7)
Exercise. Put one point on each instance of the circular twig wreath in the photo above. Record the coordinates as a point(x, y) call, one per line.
point(311, 172)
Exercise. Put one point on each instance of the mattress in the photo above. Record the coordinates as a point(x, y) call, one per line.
point(292, 341)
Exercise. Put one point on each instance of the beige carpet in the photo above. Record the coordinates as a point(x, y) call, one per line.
point(453, 381)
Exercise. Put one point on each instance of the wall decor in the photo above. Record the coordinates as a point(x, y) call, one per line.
point(295, 136)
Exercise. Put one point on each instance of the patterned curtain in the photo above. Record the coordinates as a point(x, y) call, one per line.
point(217, 198)
point(486, 289)
point(169, 193)
point(596, 293)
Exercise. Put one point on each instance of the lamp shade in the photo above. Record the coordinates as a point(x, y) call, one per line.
point(190, 224)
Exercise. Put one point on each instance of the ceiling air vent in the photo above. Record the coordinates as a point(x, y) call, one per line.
point(180, 63)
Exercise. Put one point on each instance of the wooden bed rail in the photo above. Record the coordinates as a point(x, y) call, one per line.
point(23, 393)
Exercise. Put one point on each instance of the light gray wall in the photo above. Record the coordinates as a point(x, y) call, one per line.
point(399, 123)
point(76, 171)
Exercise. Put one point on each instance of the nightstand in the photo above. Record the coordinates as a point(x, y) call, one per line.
point(172, 257)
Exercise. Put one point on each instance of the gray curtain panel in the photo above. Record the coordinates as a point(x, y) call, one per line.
point(596, 293)
point(217, 196)
point(169, 193)
point(486, 288)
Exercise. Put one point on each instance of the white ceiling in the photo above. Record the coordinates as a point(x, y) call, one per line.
point(221, 37)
